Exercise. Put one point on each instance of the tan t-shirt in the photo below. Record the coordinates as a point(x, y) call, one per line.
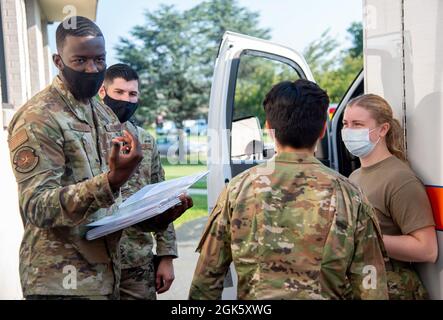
point(398, 196)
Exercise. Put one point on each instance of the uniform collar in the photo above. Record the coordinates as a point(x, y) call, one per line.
point(81, 110)
point(296, 157)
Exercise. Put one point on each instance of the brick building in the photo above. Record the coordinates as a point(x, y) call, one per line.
point(25, 69)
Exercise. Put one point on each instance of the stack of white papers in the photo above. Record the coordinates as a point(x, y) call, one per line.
point(146, 203)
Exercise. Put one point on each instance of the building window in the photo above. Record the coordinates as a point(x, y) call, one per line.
point(4, 87)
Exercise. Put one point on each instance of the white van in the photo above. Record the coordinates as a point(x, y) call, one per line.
point(403, 62)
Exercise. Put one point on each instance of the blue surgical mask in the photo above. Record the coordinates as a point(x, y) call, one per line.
point(357, 141)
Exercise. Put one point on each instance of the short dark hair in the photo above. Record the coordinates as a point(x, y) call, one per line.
point(83, 27)
point(297, 111)
point(120, 70)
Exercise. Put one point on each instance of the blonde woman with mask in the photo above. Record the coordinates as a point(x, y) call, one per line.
point(399, 198)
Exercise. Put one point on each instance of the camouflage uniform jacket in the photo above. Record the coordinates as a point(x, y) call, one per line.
point(59, 150)
point(299, 231)
point(136, 245)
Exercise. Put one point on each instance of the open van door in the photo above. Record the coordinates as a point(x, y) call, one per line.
point(341, 160)
point(245, 70)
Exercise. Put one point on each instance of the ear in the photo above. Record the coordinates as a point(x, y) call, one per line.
point(323, 131)
point(57, 61)
point(385, 129)
point(270, 130)
point(102, 92)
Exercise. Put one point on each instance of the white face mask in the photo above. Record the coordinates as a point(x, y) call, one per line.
point(357, 141)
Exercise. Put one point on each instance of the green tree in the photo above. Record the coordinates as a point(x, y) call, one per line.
point(256, 76)
point(160, 52)
point(211, 19)
point(335, 69)
point(356, 33)
point(322, 55)
point(174, 53)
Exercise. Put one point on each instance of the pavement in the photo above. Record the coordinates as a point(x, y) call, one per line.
point(188, 236)
point(11, 227)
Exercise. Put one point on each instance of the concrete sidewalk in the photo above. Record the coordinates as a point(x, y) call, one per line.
point(188, 236)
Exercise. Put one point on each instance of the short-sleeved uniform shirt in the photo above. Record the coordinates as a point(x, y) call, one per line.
point(402, 206)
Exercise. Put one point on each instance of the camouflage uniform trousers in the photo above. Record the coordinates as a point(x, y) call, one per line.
point(138, 283)
point(404, 282)
point(45, 297)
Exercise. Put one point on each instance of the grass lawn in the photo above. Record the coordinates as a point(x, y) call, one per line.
point(173, 171)
point(200, 209)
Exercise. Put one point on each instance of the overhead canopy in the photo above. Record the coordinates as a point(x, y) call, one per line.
point(57, 10)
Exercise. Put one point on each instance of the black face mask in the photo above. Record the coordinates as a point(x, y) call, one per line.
point(123, 109)
point(83, 85)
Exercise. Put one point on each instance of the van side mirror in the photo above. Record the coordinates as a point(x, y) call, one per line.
point(268, 152)
point(246, 139)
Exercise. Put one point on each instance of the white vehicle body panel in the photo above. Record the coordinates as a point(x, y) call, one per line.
point(403, 51)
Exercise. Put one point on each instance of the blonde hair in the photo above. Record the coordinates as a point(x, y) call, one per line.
point(381, 112)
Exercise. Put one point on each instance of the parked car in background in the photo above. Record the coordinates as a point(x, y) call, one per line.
point(196, 127)
point(168, 127)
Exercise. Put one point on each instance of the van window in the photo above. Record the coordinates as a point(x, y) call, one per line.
point(255, 77)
